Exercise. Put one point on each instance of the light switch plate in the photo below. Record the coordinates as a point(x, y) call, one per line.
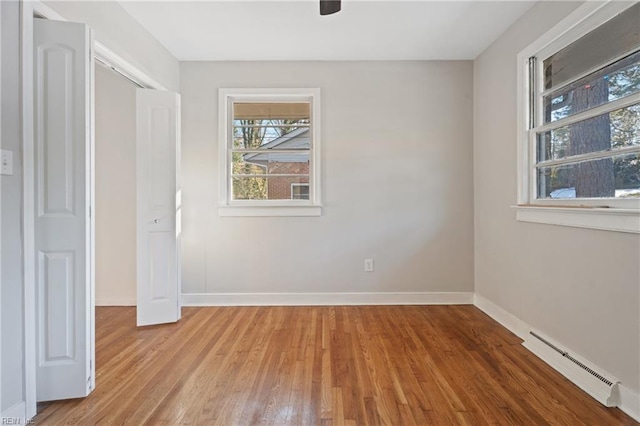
point(6, 162)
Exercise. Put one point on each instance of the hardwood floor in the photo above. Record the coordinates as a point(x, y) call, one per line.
point(356, 365)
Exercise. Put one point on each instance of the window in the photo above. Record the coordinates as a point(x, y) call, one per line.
point(299, 191)
point(580, 131)
point(269, 152)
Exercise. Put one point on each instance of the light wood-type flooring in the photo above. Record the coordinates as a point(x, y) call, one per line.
point(346, 365)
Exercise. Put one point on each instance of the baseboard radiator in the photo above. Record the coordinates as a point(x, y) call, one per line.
point(600, 385)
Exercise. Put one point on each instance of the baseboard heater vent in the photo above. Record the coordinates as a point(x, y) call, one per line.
point(572, 359)
point(601, 386)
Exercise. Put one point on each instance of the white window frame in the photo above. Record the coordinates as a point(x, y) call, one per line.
point(229, 207)
point(618, 215)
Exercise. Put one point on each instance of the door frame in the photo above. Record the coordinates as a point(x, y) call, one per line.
point(29, 10)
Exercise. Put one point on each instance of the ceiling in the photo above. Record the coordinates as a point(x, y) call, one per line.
point(294, 30)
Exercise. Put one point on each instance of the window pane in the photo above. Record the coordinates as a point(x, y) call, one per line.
point(612, 39)
point(272, 188)
point(280, 188)
point(283, 163)
point(271, 125)
point(252, 188)
point(617, 177)
point(614, 130)
point(271, 134)
point(240, 165)
point(299, 191)
point(613, 82)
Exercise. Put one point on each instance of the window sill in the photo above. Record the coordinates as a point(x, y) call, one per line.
point(269, 211)
point(606, 219)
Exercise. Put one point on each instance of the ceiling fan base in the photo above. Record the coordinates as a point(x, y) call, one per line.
point(328, 7)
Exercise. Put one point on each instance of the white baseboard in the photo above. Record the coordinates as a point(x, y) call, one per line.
point(116, 302)
point(629, 402)
point(607, 395)
point(326, 299)
point(506, 319)
point(16, 413)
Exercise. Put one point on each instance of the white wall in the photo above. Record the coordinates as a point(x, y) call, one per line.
point(397, 183)
point(115, 116)
point(579, 286)
point(118, 31)
point(12, 333)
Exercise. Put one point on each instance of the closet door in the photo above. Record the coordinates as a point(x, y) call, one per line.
point(63, 72)
point(158, 194)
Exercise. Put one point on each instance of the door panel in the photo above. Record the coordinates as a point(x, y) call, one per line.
point(56, 102)
point(63, 244)
point(56, 288)
point(158, 170)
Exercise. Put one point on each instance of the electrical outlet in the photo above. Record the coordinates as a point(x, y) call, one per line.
point(6, 162)
point(368, 265)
